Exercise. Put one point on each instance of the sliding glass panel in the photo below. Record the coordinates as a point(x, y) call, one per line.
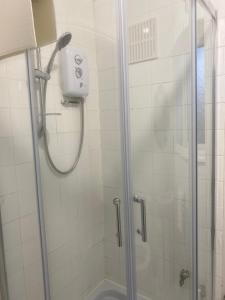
point(160, 72)
point(205, 104)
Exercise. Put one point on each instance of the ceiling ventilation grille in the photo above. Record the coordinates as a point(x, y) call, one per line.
point(142, 41)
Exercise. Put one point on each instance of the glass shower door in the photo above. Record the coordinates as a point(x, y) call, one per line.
point(83, 211)
point(160, 97)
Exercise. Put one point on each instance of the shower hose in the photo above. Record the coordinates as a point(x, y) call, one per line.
point(45, 137)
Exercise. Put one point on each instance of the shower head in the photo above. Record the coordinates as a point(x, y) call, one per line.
point(63, 41)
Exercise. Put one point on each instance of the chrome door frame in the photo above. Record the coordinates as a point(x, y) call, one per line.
point(37, 168)
point(194, 145)
point(130, 247)
point(193, 150)
point(213, 183)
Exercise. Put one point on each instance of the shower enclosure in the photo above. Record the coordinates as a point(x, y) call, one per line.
point(135, 218)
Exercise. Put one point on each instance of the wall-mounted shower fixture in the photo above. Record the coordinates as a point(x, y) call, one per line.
point(74, 86)
point(74, 74)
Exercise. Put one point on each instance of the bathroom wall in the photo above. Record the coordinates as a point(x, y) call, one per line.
point(17, 184)
point(74, 208)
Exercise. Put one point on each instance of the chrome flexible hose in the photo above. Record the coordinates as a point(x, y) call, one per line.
point(45, 137)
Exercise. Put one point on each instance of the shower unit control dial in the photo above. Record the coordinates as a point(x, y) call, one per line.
point(78, 73)
point(78, 59)
point(74, 73)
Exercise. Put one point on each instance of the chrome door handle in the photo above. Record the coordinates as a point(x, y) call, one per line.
point(116, 203)
point(143, 230)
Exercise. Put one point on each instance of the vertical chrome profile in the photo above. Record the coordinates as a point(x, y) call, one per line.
point(213, 13)
point(126, 151)
point(193, 150)
point(34, 122)
point(213, 182)
point(4, 294)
